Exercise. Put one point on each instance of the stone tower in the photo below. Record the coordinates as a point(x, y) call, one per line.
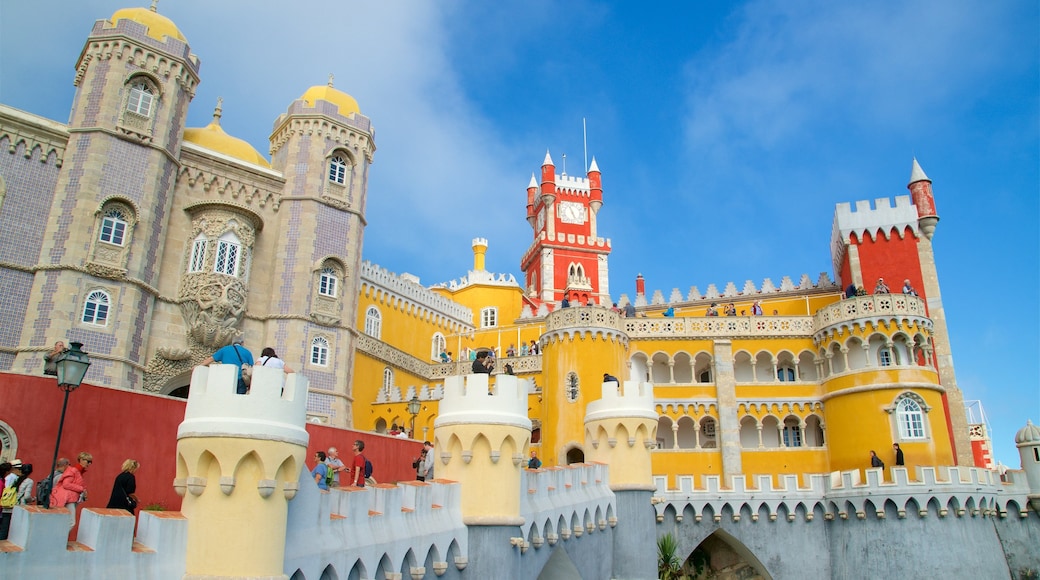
point(567, 257)
point(239, 461)
point(1028, 442)
point(579, 345)
point(99, 262)
point(620, 430)
point(323, 146)
point(482, 438)
point(893, 242)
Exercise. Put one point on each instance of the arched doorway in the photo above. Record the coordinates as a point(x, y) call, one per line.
point(575, 455)
point(178, 386)
point(721, 555)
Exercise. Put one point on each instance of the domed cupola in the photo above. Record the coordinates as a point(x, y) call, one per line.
point(158, 25)
point(346, 104)
point(214, 138)
point(1028, 435)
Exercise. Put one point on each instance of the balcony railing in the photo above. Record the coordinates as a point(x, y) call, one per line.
point(871, 306)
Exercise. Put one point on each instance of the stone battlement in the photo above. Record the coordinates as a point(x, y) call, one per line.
point(730, 292)
point(105, 546)
point(629, 399)
point(565, 501)
point(957, 490)
point(471, 399)
point(275, 408)
point(375, 276)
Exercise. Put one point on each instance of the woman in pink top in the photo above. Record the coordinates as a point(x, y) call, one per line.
point(70, 487)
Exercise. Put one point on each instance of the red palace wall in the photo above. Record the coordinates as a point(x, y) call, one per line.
point(894, 259)
point(114, 425)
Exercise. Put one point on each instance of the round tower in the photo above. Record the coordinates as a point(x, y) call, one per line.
point(482, 438)
point(480, 246)
point(620, 431)
point(579, 346)
point(238, 464)
point(1028, 442)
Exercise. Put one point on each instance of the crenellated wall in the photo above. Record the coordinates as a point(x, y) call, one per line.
point(831, 525)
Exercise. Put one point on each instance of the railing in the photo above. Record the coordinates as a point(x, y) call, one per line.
point(717, 326)
point(582, 317)
point(869, 306)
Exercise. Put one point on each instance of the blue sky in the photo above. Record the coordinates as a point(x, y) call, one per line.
point(726, 132)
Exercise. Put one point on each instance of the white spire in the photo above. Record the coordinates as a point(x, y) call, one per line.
point(917, 174)
point(548, 159)
point(593, 166)
point(533, 183)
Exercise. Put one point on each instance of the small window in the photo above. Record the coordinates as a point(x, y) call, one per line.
point(489, 317)
point(785, 374)
point(886, 357)
point(95, 310)
point(910, 419)
point(572, 386)
point(373, 322)
point(320, 352)
point(198, 255)
point(228, 252)
point(792, 434)
point(388, 381)
point(141, 99)
point(338, 170)
point(328, 282)
point(113, 227)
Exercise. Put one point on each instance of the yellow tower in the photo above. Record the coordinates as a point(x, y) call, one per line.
point(579, 345)
point(482, 437)
point(238, 464)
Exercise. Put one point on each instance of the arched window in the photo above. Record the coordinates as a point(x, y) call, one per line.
point(388, 381)
point(229, 251)
point(140, 99)
point(338, 169)
point(910, 419)
point(792, 433)
point(320, 351)
point(488, 317)
point(113, 227)
point(95, 309)
point(198, 254)
point(437, 346)
point(328, 281)
point(373, 322)
point(887, 356)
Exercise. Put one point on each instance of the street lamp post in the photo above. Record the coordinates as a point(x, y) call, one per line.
point(414, 406)
point(72, 365)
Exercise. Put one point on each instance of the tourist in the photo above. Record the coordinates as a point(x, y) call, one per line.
point(335, 464)
point(420, 465)
point(71, 488)
point(875, 461)
point(534, 462)
point(124, 496)
point(268, 358)
point(881, 287)
point(233, 354)
point(630, 310)
point(713, 310)
point(482, 364)
point(50, 360)
point(756, 308)
point(899, 454)
point(357, 471)
point(24, 484)
point(908, 289)
point(428, 465)
point(511, 351)
point(320, 473)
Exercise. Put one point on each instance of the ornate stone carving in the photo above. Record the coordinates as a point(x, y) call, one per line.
point(105, 271)
point(212, 306)
point(170, 362)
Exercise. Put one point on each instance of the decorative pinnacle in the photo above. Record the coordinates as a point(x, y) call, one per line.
point(155, 6)
point(219, 110)
point(331, 77)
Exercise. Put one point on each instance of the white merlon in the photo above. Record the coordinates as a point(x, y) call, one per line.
point(395, 285)
point(864, 220)
point(823, 282)
point(569, 491)
point(658, 297)
point(572, 183)
point(480, 243)
point(675, 296)
point(274, 409)
point(479, 277)
point(730, 291)
point(628, 399)
point(467, 401)
point(695, 294)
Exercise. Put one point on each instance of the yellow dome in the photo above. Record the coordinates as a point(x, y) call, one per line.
point(346, 103)
point(157, 24)
point(214, 138)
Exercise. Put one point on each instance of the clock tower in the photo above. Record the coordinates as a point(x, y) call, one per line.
point(566, 258)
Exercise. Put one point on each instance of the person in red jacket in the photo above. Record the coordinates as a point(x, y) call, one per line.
point(357, 472)
point(70, 488)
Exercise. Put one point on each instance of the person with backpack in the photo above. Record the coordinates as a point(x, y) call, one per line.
point(70, 488)
point(360, 467)
point(238, 355)
point(321, 473)
point(9, 497)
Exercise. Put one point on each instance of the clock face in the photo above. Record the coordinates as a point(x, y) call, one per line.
point(572, 213)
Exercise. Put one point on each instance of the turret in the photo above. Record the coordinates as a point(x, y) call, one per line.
point(482, 437)
point(548, 180)
point(640, 286)
point(921, 190)
point(1028, 442)
point(239, 461)
point(532, 194)
point(480, 246)
point(595, 187)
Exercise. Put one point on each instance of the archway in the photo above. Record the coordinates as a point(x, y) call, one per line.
point(721, 555)
point(575, 455)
